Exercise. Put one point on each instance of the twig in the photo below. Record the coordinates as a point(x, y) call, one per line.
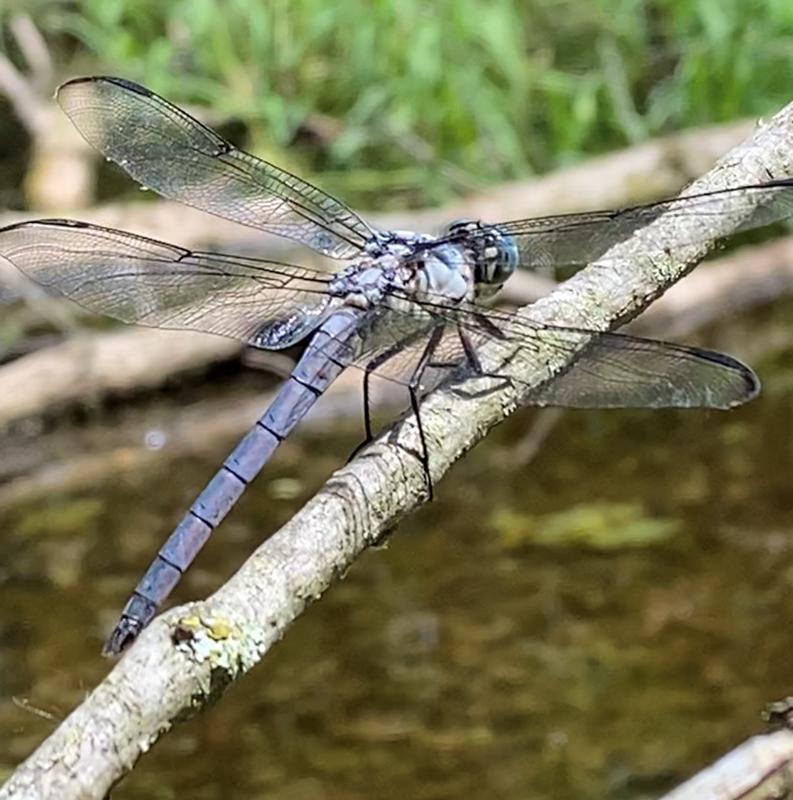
point(35, 51)
point(25, 100)
point(190, 654)
point(530, 444)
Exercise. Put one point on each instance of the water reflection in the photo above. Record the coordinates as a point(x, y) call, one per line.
point(475, 655)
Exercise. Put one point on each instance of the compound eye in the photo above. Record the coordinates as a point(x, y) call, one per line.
point(459, 226)
point(510, 257)
point(503, 259)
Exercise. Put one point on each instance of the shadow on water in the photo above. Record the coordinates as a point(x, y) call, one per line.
point(596, 625)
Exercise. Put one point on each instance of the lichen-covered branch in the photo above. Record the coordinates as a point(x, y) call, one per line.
point(189, 654)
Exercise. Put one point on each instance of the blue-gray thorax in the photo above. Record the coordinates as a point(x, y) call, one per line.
point(403, 273)
point(408, 272)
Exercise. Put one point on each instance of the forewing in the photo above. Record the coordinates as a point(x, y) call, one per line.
point(579, 239)
point(165, 149)
point(145, 281)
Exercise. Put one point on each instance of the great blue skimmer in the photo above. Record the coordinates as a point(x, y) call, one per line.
point(404, 304)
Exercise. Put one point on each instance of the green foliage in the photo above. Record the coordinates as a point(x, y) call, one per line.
point(416, 100)
point(599, 526)
point(65, 518)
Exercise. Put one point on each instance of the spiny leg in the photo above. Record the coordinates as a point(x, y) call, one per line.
point(367, 405)
point(424, 361)
point(373, 365)
point(413, 387)
point(472, 357)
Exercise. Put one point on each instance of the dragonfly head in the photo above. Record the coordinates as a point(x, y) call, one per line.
point(494, 255)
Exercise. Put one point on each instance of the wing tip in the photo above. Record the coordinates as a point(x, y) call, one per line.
point(752, 385)
point(743, 385)
point(122, 83)
point(54, 222)
point(748, 385)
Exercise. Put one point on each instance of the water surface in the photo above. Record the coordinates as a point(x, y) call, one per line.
point(598, 624)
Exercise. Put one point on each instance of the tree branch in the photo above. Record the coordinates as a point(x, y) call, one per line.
point(190, 654)
point(28, 104)
point(759, 769)
point(89, 365)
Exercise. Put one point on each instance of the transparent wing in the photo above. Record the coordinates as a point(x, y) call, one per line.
point(611, 370)
point(606, 370)
point(399, 341)
point(269, 304)
point(165, 149)
point(137, 279)
point(579, 239)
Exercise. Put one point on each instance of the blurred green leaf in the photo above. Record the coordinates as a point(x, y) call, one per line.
point(600, 526)
point(498, 88)
point(68, 518)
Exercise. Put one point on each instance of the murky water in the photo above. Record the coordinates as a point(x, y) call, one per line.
point(598, 624)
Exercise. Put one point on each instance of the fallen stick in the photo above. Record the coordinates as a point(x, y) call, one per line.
point(89, 365)
point(202, 427)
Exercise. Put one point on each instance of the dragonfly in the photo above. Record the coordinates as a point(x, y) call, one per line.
point(412, 307)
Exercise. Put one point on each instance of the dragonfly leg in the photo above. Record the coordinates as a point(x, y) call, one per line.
point(367, 405)
point(472, 357)
point(414, 387)
point(371, 367)
point(413, 392)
